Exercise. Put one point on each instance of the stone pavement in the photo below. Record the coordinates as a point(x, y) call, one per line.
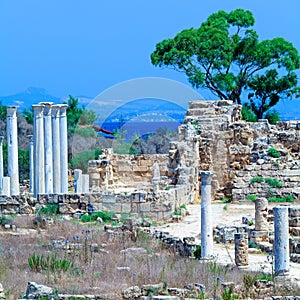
point(232, 215)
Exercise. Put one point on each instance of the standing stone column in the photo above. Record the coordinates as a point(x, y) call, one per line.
point(78, 181)
point(56, 149)
point(48, 147)
point(1, 162)
point(85, 183)
point(38, 138)
point(241, 249)
point(12, 145)
point(31, 162)
point(63, 148)
point(281, 240)
point(206, 215)
point(261, 214)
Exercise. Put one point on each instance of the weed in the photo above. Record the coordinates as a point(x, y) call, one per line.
point(273, 153)
point(105, 216)
point(286, 198)
point(274, 182)
point(225, 207)
point(197, 252)
point(50, 209)
point(258, 179)
point(251, 197)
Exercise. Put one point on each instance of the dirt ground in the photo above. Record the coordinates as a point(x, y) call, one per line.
point(230, 215)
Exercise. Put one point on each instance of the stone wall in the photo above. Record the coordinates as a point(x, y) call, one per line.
point(238, 151)
point(159, 205)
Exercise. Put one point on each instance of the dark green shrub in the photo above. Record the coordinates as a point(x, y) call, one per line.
point(49, 209)
point(105, 216)
point(273, 153)
point(197, 252)
point(251, 197)
point(272, 116)
point(248, 114)
point(287, 198)
point(274, 183)
point(80, 160)
point(258, 179)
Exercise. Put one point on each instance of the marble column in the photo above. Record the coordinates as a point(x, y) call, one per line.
point(281, 240)
point(1, 162)
point(38, 138)
point(63, 148)
point(78, 181)
point(206, 215)
point(12, 147)
point(56, 149)
point(48, 147)
point(6, 186)
point(85, 183)
point(241, 249)
point(31, 163)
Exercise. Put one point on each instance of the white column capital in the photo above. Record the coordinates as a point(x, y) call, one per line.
point(206, 177)
point(63, 109)
point(47, 108)
point(38, 110)
point(55, 111)
point(12, 111)
point(30, 136)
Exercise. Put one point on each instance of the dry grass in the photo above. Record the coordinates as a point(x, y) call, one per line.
point(96, 261)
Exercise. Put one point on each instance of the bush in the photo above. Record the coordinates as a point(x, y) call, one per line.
point(274, 183)
point(247, 113)
point(197, 252)
point(287, 198)
point(251, 197)
point(258, 179)
point(273, 153)
point(272, 116)
point(49, 209)
point(80, 160)
point(105, 216)
point(86, 132)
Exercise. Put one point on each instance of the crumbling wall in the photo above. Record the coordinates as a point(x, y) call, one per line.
point(238, 151)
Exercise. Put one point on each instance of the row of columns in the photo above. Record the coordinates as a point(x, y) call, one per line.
point(49, 149)
point(281, 231)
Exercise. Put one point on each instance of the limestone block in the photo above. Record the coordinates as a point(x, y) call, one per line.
point(114, 207)
point(295, 231)
point(294, 222)
point(126, 208)
point(145, 207)
point(108, 199)
point(294, 211)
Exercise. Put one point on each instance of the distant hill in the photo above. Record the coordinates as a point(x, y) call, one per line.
point(288, 109)
point(31, 96)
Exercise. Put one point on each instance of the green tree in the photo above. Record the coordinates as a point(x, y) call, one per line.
point(3, 110)
point(78, 115)
point(225, 56)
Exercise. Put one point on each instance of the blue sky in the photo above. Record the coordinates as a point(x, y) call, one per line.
point(84, 47)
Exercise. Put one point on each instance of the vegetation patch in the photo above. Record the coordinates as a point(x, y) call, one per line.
point(105, 216)
point(273, 153)
point(286, 198)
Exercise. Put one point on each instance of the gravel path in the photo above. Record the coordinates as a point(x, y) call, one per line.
point(231, 215)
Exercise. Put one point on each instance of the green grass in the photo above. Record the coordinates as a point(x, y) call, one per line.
point(251, 197)
point(273, 153)
point(50, 209)
point(258, 179)
point(105, 216)
point(286, 198)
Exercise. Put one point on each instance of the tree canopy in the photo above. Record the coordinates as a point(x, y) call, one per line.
point(225, 56)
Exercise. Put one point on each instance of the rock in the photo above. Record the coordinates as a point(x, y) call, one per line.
point(132, 292)
point(37, 291)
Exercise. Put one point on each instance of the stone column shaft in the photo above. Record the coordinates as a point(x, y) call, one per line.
point(78, 181)
point(56, 149)
point(85, 183)
point(281, 240)
point(48, 147)
point(241, 249)
point(63, 148)
point(6, 186)
point(12, 145)
point(38, 138)
point(206, 216)
point(1, 162)
point(31, 162)
point(261, 214)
